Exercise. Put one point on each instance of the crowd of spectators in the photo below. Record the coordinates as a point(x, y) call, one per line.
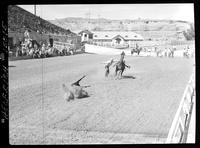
point(31, 48)
point(169, 52)
point(34, 50)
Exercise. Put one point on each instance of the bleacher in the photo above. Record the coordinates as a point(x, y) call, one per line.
point(19, 18)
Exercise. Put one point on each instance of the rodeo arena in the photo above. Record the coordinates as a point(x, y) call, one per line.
point(98, 87)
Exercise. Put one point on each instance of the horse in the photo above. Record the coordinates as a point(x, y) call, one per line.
point(120, 67)
point(188, 53)
point(136, 50)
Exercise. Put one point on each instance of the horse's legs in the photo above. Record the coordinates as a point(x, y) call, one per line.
point(107, 72)
point(122, 72)
point(116, 69)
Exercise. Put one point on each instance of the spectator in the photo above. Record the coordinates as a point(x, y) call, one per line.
point(107, 66)
point(172, 51)
point(165, 51)
point(18, 51)
point(26, 34)
point(31, 52)
point(42, 51)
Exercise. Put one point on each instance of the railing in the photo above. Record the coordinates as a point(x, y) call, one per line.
point(180, 125)
point(61, 45)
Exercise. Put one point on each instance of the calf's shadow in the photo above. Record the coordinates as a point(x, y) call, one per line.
point(83, 97)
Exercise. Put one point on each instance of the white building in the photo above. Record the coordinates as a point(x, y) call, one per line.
point(111, 38)
point(85, 35)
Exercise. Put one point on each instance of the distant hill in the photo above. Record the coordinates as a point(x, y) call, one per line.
point(19, 18)
point(149, 29)
point(78, 24)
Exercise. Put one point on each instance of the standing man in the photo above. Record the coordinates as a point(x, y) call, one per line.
point(172, 51)
point(165, 51)
point(107, 66)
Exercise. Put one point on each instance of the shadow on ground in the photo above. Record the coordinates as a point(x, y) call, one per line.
point(83, 97)
point(128, 77)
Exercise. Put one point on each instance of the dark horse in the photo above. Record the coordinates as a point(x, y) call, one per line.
point(120, 67)
point(136, 50)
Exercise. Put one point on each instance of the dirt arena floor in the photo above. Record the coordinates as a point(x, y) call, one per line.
point(136, 109)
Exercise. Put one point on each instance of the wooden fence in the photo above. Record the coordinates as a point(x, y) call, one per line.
point(180, 125)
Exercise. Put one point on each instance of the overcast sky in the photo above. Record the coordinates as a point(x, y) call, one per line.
point(179, 11)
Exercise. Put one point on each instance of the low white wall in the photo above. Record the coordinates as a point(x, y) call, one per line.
point(111, 51)
point(104, 50)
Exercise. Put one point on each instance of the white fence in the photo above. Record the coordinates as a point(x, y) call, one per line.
point(104, 50)
point(179, 129)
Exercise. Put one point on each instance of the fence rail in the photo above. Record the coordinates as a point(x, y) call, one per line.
point(180, 125)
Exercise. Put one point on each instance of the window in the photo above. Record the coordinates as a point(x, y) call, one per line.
point(126, 36)
point(95, 35)
point(118, 40)
point(90, 36)
point(106, 35)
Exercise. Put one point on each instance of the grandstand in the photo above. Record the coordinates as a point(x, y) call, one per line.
point(20, 20)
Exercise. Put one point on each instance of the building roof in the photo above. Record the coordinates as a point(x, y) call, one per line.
point(85, 31)
point(128, 35)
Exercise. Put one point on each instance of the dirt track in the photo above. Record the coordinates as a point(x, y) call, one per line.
point(136, 109)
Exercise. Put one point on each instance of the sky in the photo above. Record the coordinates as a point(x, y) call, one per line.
point(179, 11)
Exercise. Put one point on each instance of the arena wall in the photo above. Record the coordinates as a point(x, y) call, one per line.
point(104, 50)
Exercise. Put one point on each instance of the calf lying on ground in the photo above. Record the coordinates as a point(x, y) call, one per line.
point(74, 91)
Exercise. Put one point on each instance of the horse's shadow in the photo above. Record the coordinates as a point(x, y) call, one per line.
point(128, 77)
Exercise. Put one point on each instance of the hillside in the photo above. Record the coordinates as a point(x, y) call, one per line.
point(19, 18)
point(77, 24)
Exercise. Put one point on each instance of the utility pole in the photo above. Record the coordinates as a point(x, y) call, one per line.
point(35, 9)
point(89, 16)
